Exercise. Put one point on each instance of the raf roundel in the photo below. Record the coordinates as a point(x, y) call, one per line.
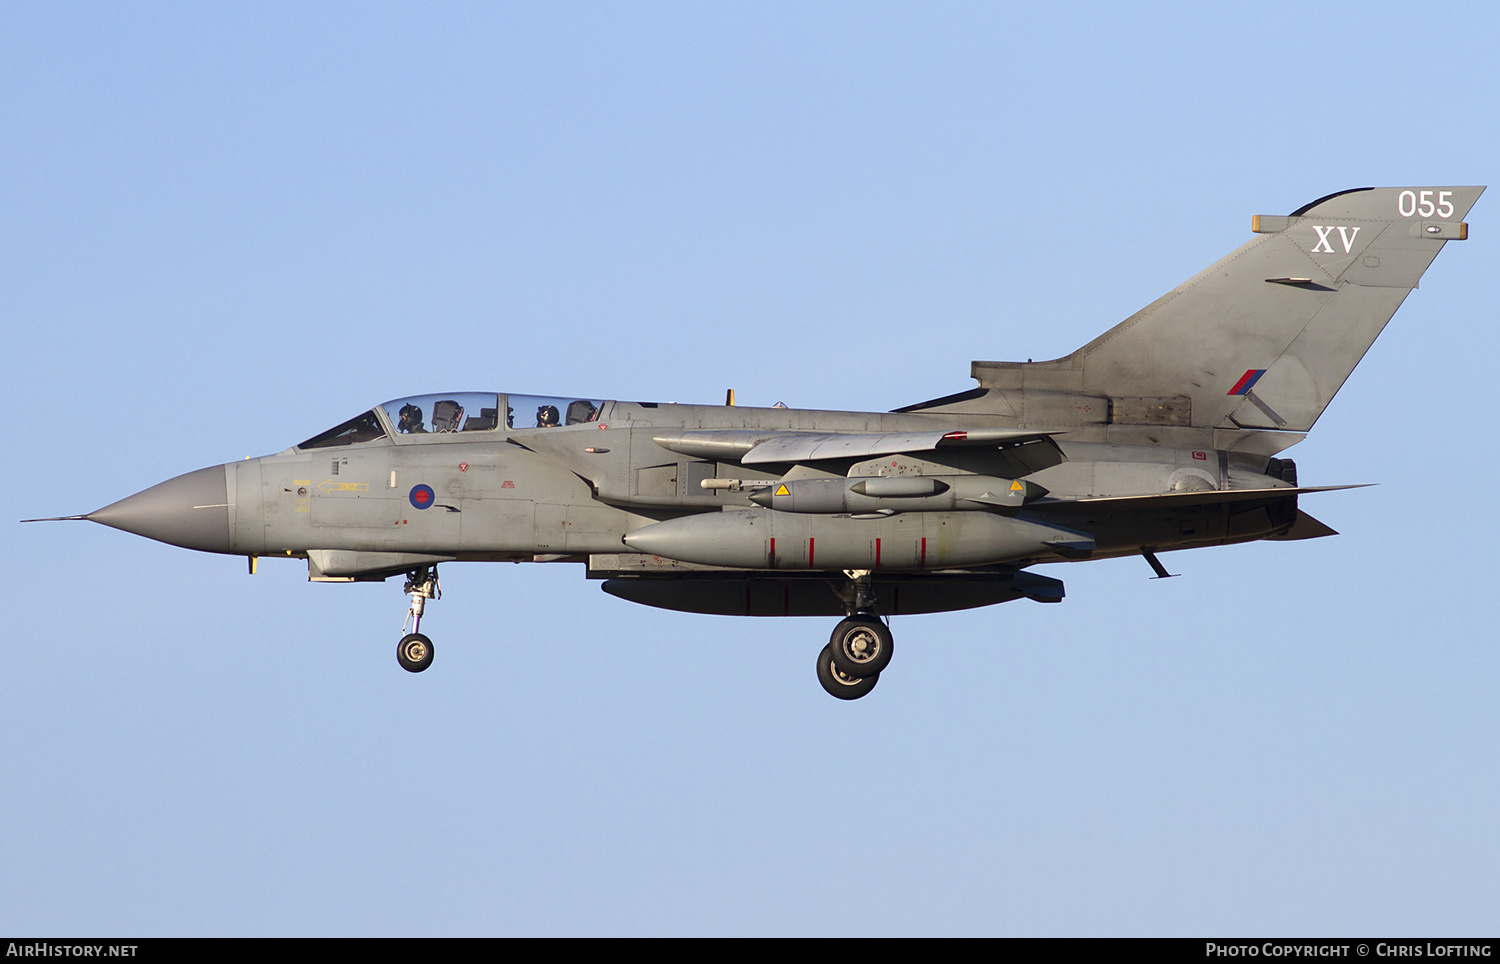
point(421, 496)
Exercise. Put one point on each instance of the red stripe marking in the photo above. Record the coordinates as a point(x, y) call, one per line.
point(810, 542)
point(877, 553)
point(923, 563)
point(1251, 374)
point(773, 552)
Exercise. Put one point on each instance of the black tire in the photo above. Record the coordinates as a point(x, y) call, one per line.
point(841, 685)
point(861, 646)
point(414, 652)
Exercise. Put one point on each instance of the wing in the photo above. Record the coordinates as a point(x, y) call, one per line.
point(762, 447)
point(1173, 500)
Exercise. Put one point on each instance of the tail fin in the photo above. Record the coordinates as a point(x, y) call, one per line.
point(1267, 336)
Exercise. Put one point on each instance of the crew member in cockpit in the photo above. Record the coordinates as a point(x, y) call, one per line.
point(547, 416)
point(411, 420)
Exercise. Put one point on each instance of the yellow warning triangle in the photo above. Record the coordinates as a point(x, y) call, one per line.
point(781, 490)
point(1016, 486)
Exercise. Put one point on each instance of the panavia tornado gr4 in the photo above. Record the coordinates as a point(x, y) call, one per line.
point(1163, 433)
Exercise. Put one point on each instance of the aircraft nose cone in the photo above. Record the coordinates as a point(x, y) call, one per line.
point(191, 511)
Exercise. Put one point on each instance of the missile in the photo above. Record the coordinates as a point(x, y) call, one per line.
point(888, 494)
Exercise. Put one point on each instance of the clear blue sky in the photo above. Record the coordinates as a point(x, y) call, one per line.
point(228, 227)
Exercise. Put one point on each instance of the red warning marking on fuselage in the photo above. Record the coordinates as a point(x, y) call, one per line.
point(810, 541)
point(1199, 455)
point(773, 552)
point(877, 552)
point(924, 552)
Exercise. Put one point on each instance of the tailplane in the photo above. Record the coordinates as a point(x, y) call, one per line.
point(1264, 338)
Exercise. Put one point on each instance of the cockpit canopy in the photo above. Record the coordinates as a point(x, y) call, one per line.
point(443, 414)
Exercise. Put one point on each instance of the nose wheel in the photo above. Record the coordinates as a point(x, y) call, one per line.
point(415, 650)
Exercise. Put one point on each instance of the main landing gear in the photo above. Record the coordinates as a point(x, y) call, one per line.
point(414, 652)
point(860, 647)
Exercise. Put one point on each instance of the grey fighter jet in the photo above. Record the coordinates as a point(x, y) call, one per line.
point(1165, 432)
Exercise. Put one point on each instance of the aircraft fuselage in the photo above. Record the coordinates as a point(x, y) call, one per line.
point(1162, 433)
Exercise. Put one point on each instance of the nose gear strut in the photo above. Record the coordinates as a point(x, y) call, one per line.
point(415, 651)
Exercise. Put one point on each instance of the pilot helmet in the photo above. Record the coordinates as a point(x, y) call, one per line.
point(547, 415)
point(410, 415)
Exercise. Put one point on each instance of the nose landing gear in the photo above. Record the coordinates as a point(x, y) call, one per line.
point(415, 651)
